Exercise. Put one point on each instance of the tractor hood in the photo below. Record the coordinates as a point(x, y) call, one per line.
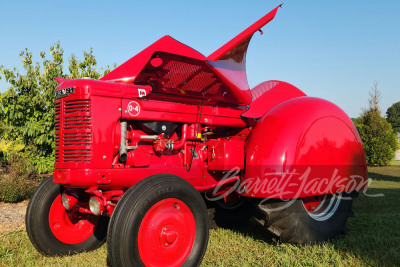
point(172, 68)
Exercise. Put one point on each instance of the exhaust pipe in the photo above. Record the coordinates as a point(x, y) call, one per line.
point(123, 149)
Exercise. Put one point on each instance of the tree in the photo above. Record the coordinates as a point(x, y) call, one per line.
point(393, 116)
point(379, 140)
point(27, 107)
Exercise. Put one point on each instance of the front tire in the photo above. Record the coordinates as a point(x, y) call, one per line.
point(161, 221)
point(54, 231)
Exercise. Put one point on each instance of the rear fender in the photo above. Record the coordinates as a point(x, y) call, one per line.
point(267, 95)
point(303, 147)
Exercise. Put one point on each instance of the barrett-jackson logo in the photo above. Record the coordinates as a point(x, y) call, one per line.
point(64, 92)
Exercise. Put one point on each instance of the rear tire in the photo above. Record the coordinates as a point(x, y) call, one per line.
point(295, 222)
point(226, 215)
point(54, 231)
point(160, 221)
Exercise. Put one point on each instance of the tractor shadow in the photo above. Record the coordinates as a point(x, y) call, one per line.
point(375, 175)
point(254, 230)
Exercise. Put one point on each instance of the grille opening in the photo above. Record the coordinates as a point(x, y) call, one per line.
point(73, 126)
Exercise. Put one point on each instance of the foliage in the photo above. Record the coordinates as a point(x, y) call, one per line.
point(27, 107)
point(8, 148)
point(393, 116)
point(379, 140)
point(18, 182)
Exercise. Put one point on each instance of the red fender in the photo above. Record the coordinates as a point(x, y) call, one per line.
point(267, 95)
point(302, 147)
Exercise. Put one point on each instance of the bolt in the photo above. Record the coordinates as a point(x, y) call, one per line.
point(163, 127)
point(119, 109)
point(206, 120)
point(126, 111)
point(104, 157)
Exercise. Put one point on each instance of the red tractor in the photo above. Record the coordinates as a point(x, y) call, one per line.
point(148, 153)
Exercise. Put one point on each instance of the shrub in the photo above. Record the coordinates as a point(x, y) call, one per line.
point(17, 183)
point(8, 148)
point(393, 116)
point(379, 140)
point(27, 106)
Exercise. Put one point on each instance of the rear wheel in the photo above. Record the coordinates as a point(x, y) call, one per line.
point(308, 220)
point(161, 221)
point(55, 231)
point(227, 215)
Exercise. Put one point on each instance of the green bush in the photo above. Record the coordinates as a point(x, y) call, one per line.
point(18, 182)
point(27, 106)
point(393, 116)
point(8, 148)
point(379, 140)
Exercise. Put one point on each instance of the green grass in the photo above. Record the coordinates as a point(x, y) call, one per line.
point(373, 239)
point(395, 162)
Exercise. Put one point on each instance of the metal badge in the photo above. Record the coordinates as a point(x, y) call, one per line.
point(64, 92)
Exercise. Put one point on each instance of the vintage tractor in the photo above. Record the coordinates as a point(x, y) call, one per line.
point(144, 151)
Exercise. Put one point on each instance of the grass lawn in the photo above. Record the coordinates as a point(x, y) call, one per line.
point(373, 239)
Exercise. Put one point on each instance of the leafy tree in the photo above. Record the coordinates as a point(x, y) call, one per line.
point(393, 116)
point(376, 133)
point(27, 107)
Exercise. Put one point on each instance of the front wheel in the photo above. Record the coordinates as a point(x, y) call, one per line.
point(308, 220)
point(161, 221)
point(54, 231)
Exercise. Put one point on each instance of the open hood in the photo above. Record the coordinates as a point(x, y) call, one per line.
point(173, 68)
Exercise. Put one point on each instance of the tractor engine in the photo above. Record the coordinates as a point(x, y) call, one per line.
point(106, 143)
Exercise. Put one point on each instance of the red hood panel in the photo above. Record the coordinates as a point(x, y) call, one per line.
point(173, 68)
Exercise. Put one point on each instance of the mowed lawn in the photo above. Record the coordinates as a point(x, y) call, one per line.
point(373, 238)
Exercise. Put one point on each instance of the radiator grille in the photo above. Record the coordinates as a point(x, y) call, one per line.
point(73, 131)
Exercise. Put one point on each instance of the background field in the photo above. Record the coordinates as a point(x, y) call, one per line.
point(373, 238)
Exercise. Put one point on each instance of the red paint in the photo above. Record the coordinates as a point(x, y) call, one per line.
point(70, 227)
point(128, 71)
point(229, 61)
point(232, 44)
point(295, 137)
point(311, 203)
point(224, 155)
point(166, 234)
point(176, 69)
point(272, 129)
point(269, 94)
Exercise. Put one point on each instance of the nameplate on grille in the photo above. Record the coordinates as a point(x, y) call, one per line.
point(64, 92)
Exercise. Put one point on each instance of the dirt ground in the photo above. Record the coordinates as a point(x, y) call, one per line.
point(12, 216)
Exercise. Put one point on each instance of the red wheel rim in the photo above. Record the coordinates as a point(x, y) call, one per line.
point(312, 203)
point(322, 208)
point(166, 234)
point(70, 227)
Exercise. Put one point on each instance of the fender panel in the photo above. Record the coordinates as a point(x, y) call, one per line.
point(303, 147)
point(267, 95)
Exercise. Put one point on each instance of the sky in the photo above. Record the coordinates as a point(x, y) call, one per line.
point(334, 50)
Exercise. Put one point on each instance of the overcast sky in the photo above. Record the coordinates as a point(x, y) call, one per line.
point(329, 49)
